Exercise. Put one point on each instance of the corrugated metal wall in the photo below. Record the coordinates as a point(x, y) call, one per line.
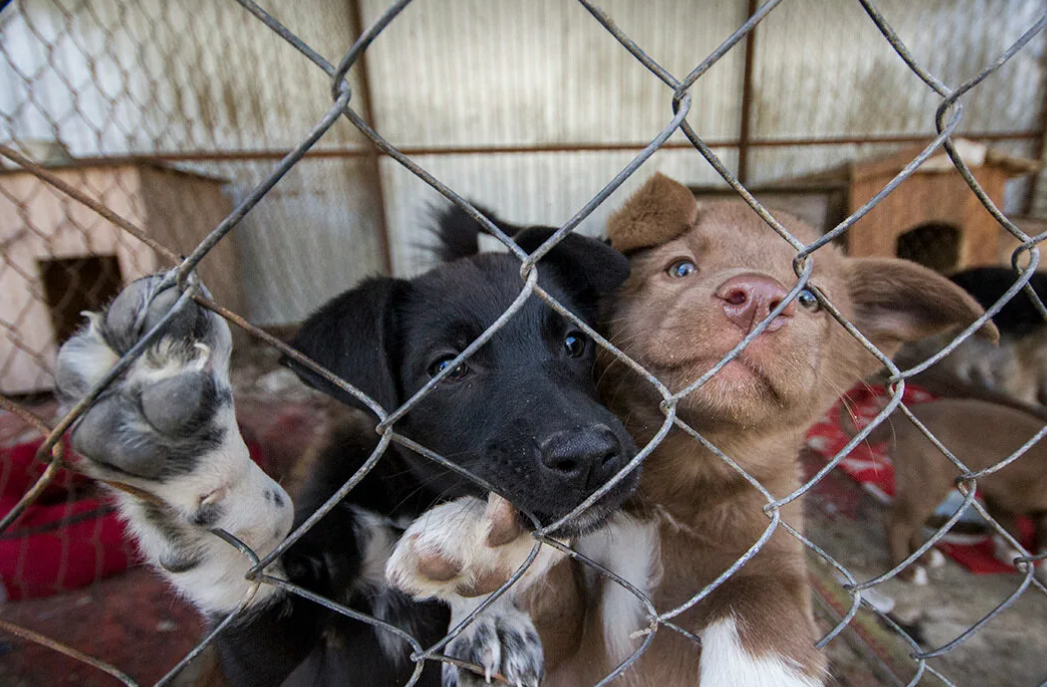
point(544, 73)
point(116, 76)
point(119, 77)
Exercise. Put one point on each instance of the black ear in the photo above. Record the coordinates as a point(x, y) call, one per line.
point(594, 263)
point(458, 234)
point(352, 335)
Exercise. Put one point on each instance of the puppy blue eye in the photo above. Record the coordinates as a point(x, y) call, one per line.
point(681, 269)
point(807, 299)
point(443, 363)
point(575, 344)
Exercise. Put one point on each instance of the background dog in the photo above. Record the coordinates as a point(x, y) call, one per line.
point(521, 413)
point(924, 476)
point(1014, 370)
point(702, 278)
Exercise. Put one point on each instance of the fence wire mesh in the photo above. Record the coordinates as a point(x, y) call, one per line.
point(91, 214)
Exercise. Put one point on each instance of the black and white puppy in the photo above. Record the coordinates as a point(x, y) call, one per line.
point(522, 413)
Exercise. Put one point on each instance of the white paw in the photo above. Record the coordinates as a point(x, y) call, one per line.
point(919, 575)
point(1003, 551)
point(935, 559)
point(463, 549)
point(167, 427)
point(503, 642)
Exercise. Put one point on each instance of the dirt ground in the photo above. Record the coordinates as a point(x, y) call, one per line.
point(1008, 651)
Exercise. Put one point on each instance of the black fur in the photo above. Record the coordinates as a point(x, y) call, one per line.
point(523, 394)
point(525, 417)
point(987, 284)
point(458, 234)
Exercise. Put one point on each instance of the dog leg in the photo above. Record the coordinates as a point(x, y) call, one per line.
point(726, 663)
point(901, 530)
point(757, 631)
point(167, 427)
point(460, 552)
point(1040, 531)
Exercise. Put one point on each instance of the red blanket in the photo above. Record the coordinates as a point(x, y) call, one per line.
point(870, 466)
point(67, 538)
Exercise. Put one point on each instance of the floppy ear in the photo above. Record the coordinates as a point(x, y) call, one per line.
point(351, 336)
point(587, 262)
point(896, 301)
point(659, 211)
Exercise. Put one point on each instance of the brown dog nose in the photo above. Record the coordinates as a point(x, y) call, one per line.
point(749, 298)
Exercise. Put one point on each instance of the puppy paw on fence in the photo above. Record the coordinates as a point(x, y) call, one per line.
point(166, 428)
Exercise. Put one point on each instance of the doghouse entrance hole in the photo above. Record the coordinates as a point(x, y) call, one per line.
point(72, 285)
point(933, 245)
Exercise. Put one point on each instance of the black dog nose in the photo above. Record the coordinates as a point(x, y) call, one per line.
point(586, 457)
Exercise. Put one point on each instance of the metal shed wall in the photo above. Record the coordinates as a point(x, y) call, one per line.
point(527, 107)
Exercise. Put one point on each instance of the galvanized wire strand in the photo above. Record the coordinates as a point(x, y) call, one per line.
point(284, 33)
point(901, 176)
point(252, 199)
point(627, 43)
point(50, 447)
point(634, 164)
point(988, 617)
point(490, 331)
point(777, 310)
point(741, 32)
point(365, 39)
point(727, 574)
point(855, 594)
point(44, 640)
point(229, 618)
point(441, 188)
point(324, 509)
point(947, 118)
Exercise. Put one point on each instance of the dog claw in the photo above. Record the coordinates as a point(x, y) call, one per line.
point(503, 641)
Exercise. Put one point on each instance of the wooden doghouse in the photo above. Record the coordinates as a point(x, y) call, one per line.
point(58, 258)
point(933, 217)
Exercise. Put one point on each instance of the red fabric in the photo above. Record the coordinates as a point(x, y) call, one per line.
point(44, 553)
point(39, 556)
point(869, 465)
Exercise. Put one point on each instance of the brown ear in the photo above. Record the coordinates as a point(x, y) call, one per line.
point(659, 211)
point(896, 301)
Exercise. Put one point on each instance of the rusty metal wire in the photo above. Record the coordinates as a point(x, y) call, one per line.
point(343, 104)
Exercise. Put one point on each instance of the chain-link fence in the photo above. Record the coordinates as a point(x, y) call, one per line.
point(104, 216)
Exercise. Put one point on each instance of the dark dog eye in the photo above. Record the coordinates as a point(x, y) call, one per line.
point(574, 342)
point(441, 364)
point(681, 269)
point(807, 300)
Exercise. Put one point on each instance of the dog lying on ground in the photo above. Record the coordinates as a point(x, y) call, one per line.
point(703, 276)
point(980, 434)
point(522, 413)
point(1015, 369)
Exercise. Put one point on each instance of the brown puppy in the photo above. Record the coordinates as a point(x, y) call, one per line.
point(924, 476)
point(702, 278)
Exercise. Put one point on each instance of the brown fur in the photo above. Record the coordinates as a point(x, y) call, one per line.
point(663, 211)
point(924, 476)
point(1016, 368)
point(756, 410)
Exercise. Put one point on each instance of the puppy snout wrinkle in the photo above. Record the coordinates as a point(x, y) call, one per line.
point(749, 298)
point(583, 457)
